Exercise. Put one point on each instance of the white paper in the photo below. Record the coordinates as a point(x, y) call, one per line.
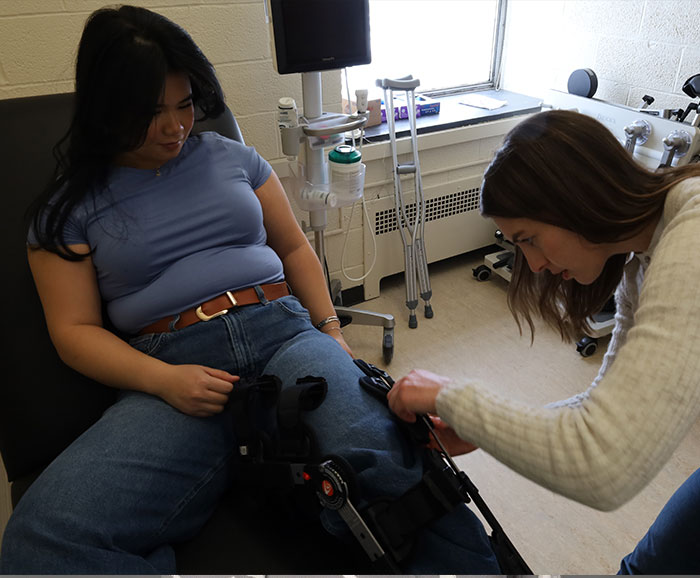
point(481, 101)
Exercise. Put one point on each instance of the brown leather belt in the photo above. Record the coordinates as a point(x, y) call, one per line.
point(218, 306)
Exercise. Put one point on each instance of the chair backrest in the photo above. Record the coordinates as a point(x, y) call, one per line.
point(44, 405)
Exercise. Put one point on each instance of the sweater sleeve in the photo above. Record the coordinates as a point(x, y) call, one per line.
point(624, 319)
point(604, 448)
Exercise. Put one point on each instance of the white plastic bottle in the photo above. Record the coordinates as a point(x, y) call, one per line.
point(317, 198)
point(347, 174)
point(287, 113)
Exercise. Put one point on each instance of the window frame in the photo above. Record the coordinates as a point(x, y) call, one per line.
point(496, 67)
point(494, 83)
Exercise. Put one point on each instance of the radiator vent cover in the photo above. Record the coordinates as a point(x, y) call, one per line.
point(435, 208)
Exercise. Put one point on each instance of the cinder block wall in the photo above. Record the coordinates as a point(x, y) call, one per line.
point(38, 40)
point(635, 47)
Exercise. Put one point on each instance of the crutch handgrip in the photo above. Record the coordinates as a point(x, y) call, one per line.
point(405, 83)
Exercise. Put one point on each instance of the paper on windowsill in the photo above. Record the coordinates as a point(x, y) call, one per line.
point(481, 101)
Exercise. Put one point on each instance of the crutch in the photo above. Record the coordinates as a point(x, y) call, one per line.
point(411, 230)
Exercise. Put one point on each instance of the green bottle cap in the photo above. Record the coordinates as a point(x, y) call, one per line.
point(345, 154)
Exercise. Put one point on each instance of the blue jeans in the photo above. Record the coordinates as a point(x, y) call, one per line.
point(671, 544)
point(146, 475)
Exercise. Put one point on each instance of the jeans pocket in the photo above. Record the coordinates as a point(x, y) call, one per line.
point(149, 343)
point(291, 306)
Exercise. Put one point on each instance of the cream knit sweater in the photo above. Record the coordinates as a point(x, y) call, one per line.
point(603, 446)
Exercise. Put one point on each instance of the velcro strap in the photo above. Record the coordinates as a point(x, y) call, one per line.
point(293, 439)
point(251, 404)
point(397, 521)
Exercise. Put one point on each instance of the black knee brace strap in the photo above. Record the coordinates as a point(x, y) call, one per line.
point(396, 521)
point(273, 441)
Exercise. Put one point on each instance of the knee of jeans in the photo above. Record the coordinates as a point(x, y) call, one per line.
point(26, 536)
point(51, 509)
point(350, 422)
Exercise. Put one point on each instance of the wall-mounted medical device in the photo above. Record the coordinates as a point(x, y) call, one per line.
point(313, 35)
point(654, 141)
point(310, 36)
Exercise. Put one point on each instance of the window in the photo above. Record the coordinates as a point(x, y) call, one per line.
point(450, 45)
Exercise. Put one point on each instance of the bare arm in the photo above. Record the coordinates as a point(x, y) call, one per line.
point(302, 268)
point(72, 307)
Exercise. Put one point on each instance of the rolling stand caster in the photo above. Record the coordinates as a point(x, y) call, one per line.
point(587, 346)
point(481, 273)
point(388, 346)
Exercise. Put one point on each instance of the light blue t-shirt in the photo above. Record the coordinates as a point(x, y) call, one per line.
point(165, 243)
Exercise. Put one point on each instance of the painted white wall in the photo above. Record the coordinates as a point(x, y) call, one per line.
point(635, 47)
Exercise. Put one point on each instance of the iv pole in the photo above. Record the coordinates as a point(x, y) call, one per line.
point(318, 124)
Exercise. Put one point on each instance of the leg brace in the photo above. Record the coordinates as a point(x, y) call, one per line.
point(278, 452)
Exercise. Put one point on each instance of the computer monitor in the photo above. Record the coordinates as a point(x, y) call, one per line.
point(315, 35)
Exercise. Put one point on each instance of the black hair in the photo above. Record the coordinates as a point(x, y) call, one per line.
point(124, 56)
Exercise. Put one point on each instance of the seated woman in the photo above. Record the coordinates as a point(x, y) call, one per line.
point(192, 244)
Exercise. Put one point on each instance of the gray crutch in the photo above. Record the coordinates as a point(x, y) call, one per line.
point(411, 230)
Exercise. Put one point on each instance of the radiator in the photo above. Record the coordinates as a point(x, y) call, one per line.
point(453, 226)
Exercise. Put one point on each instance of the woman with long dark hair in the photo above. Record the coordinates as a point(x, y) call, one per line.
point(206, 279)
point(587, 221)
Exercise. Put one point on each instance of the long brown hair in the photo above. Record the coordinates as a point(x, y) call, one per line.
point(568, 170)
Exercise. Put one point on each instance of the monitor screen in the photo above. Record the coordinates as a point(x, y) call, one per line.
point(311, 35)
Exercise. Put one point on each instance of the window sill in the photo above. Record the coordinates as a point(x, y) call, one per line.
point(454, 115)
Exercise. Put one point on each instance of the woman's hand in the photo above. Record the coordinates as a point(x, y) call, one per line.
point(196, 390)
point(454, 445)
point(415, 394)
point(336, 334)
